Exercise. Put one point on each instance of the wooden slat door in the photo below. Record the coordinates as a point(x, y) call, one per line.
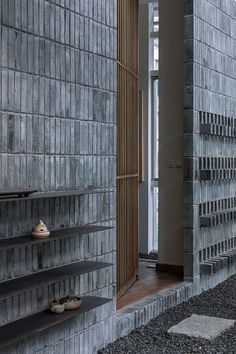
point(127, 154)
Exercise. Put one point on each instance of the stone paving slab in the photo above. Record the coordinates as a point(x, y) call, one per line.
point(199, 326)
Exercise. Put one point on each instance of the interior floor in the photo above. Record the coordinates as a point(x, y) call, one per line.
point(149, 283)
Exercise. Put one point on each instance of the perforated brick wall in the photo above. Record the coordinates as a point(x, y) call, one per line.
point(210, 144)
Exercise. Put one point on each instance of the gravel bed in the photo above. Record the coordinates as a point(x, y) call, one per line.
point(153, 338)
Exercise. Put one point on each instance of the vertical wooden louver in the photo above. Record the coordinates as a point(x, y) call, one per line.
point(128, 157)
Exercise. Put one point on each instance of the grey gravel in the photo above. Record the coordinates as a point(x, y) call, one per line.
point(153, 338)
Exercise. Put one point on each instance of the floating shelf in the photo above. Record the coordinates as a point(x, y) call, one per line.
point(20, 193)
point(11, 242)
point(215, 264)
point(53, 194)
point(18, 285)
point(31, 325)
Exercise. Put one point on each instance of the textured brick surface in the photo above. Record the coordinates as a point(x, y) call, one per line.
point(141, 313)
point(58, 85)
point(209, 126)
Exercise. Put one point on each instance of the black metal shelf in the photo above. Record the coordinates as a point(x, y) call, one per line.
point(51, 194)
point(11, 242)
point(18, 285)
point(19, 193)
point(31, 325)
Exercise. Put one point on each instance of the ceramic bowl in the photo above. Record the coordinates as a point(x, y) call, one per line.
point(71, 302)
point(57, 307)
point(40, 230)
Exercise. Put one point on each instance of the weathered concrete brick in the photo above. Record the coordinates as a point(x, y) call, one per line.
point(51, 138)
point(210, 98)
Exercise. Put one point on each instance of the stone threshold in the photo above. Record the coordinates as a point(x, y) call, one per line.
point(144, 311)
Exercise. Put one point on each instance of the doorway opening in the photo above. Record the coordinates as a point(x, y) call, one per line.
point(138, 188)
point(150, 282)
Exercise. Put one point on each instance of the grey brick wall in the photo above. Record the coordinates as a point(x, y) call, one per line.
point(209, 139)
point(58, 132)
point(58, 91)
